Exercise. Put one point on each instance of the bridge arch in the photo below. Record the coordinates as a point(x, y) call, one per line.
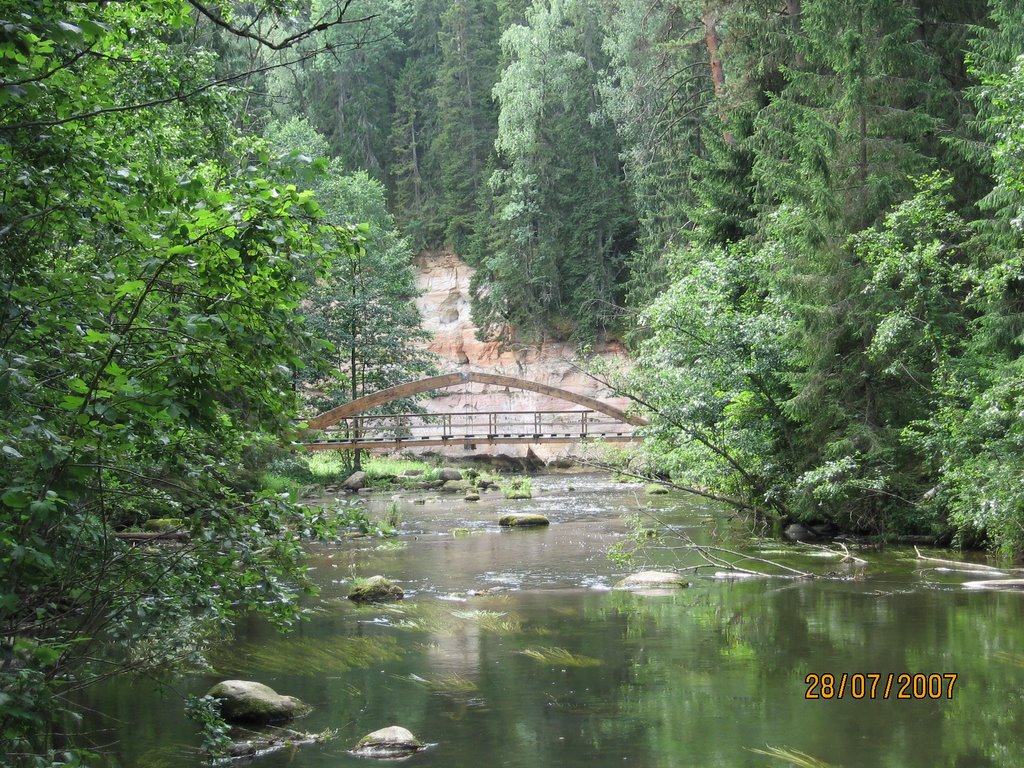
point(385, 396)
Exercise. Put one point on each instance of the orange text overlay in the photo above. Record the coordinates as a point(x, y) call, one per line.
point(880, 685)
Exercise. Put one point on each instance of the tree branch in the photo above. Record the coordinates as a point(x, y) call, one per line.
point(289, 41)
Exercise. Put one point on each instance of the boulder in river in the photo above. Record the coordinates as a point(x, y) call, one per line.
point(523, 520)
point(653, 580)
point(456, 486)
point(375, 589)
point(355, 482)
point(246, 701)
point(655, 490)
point(471, 496)
point(449, 474)
point(391, 742)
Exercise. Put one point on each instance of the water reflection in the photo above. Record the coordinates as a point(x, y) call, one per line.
point(702, 677)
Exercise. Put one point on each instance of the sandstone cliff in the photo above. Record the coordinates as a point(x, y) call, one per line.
point(443, 280)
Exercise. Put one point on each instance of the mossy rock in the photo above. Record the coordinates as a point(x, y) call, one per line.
point(375, 589)
point(655, 490)
point(391, 742)
point(657, 580)
point(517, 493)
point(523, 520)
point(161, 524)
point(471, 496)
point(246, 701)
point(456, 486)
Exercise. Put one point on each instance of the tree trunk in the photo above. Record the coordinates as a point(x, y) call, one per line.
point(713, 40)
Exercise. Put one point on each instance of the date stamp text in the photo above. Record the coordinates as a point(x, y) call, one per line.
point(880, 685)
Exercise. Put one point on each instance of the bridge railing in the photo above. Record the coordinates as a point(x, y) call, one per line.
point(468, 425)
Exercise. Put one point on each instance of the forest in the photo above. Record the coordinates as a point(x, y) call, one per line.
point(803, 218)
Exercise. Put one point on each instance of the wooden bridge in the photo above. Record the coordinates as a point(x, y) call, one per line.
point(347, 428)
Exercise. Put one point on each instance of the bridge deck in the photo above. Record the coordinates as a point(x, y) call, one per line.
point(343, 444)
point(412, 430)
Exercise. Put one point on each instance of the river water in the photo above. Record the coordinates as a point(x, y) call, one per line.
point(550, 667)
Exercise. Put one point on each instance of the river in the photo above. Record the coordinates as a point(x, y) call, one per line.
point(553, 668)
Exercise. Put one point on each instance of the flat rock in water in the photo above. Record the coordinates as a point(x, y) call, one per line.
point(471, 496)
point(1005, 585)
point(246, 701)
point(653, 580)
point(393, 741)
point(523, 520)
point(376, 589)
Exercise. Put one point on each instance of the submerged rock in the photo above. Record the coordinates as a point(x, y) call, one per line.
point(523, 520)
point(356, 481)
point(393, 741)
point(653, 580)
point(376, 589)
point(246, 701)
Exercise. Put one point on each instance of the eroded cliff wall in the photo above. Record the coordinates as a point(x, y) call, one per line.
point(443, 280)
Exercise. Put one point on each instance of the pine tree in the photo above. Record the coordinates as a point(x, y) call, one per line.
point(467, 114)
point(561, 214)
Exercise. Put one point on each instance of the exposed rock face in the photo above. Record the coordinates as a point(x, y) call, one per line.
point(245, 701)
point(393, 741)
point(376, 589)
point(444, 305)
point(646, 580)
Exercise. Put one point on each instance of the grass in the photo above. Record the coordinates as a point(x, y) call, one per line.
point(307, 656)
point(793, 757)
point(518, 488)
point(559, 657)
point(281, 484)
point(442, 619)
point(453, 683)
point(335, 466)
point(377, 468)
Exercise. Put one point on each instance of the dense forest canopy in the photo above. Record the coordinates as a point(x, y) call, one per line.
point(804, 216)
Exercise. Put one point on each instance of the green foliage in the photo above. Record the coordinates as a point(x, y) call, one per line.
point(153, 262)
point(466, 114)
point(559, 221)
point(205, 711)
point(352, 515)
point(517, 488)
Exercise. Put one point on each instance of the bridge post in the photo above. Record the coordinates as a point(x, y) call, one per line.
point(583, 423)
